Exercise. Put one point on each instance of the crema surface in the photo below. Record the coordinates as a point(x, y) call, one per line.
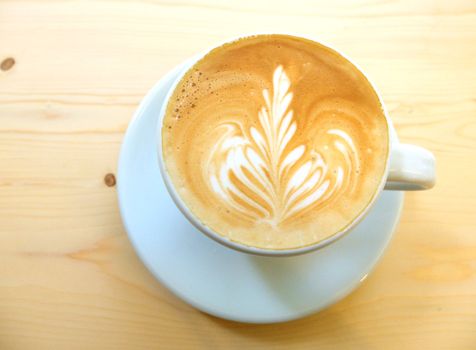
point(275, 141)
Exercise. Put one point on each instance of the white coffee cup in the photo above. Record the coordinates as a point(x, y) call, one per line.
point(408, 168)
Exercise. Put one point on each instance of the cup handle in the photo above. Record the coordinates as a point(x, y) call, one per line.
point(412, 168)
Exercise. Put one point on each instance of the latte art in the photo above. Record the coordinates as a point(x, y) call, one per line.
point(274, 141)
point(256, 163)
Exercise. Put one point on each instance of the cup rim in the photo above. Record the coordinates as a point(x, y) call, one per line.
point(195, 221)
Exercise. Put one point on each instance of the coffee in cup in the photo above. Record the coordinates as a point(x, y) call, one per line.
point(275, 142)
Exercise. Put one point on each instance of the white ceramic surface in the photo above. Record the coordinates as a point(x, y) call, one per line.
point(218, 280)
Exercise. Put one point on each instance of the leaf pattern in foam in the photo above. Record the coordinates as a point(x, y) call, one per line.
point(254, 174)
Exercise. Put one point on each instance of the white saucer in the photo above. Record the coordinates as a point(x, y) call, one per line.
point(217, 279)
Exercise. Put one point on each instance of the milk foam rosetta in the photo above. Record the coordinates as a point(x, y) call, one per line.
point(256, 174)
point(275, 142)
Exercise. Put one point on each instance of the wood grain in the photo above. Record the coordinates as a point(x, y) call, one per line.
point(69, 279)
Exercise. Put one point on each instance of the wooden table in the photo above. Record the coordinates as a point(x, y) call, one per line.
point(72, 74)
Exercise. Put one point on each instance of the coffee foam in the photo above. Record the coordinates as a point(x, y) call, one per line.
point(275, 142)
